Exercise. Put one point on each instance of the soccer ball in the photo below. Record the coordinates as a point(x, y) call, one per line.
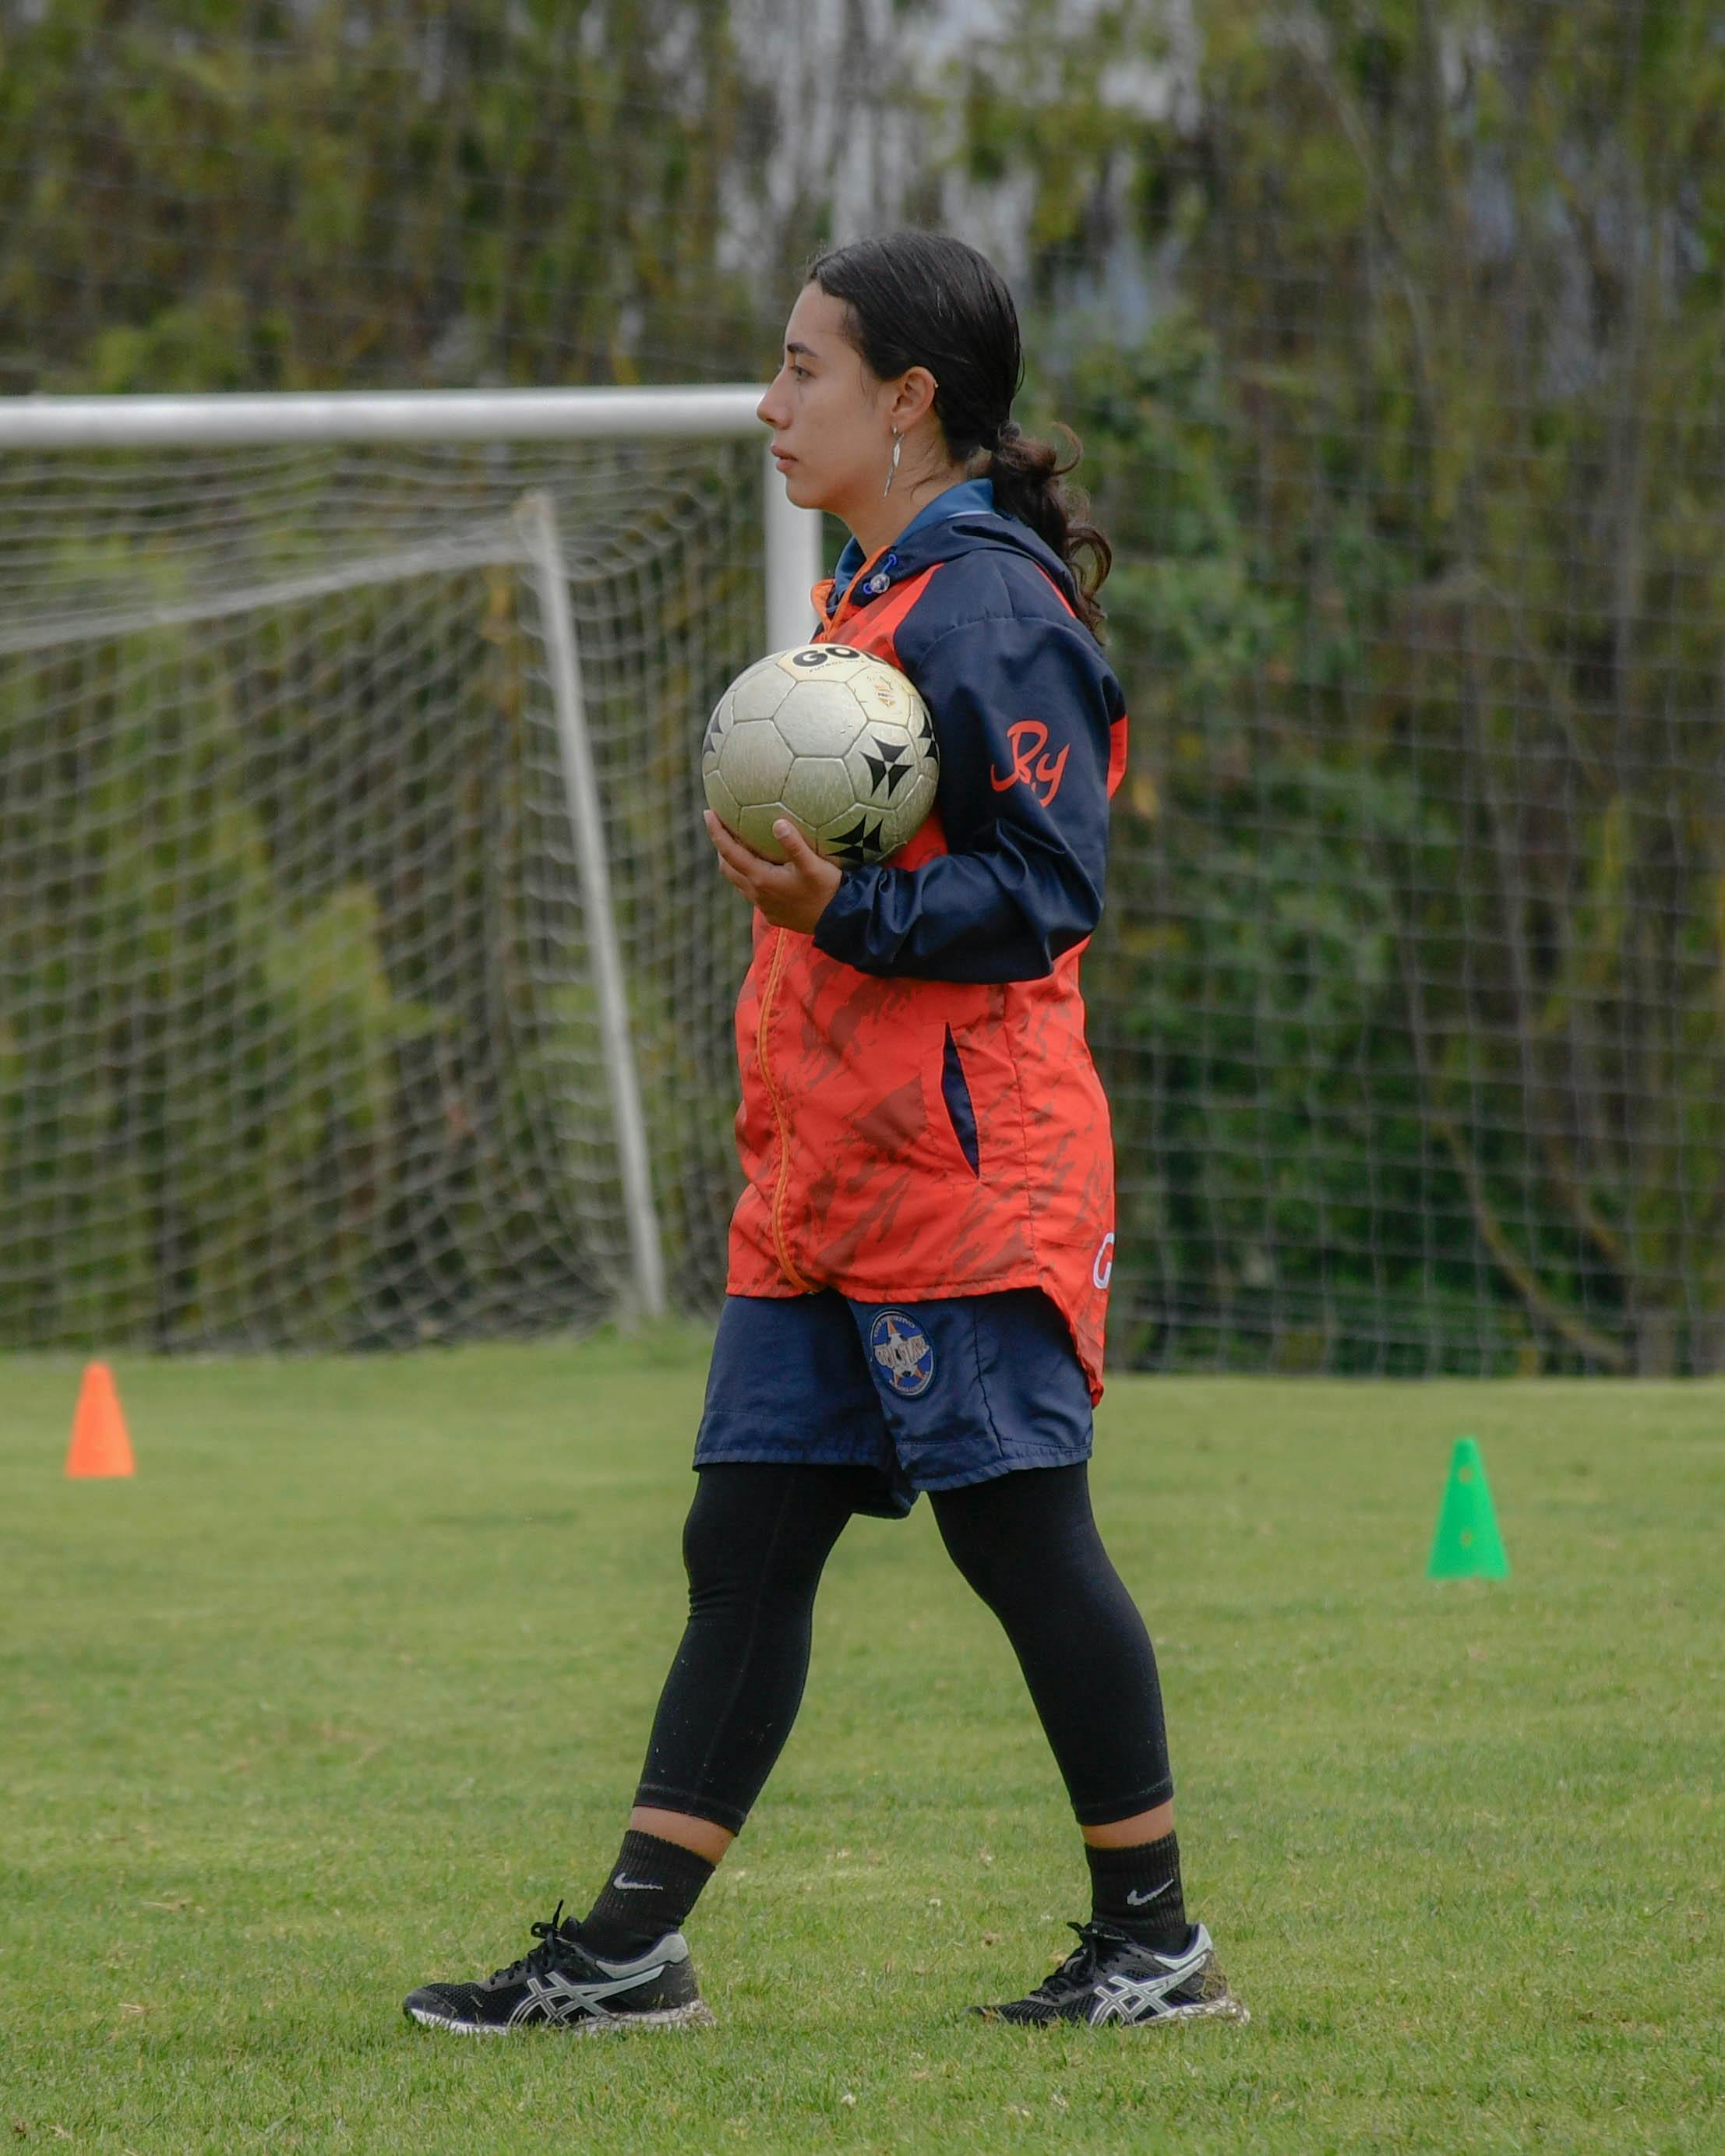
point(839, 742)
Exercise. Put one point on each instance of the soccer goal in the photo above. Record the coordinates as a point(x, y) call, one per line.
point(364, 979)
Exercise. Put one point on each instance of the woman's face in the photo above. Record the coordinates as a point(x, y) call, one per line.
point(831, 418)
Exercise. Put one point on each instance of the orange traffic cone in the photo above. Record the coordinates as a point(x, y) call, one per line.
point(99, 1444)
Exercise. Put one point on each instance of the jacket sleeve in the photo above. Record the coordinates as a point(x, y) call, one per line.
point(1023, 710)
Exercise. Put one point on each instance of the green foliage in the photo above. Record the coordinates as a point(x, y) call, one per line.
point(1419, 607)
point(212, 197)
point(1249, 958)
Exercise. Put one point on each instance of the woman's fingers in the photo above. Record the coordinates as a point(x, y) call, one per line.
point(791, 894)
point(798, 850)
point(735, 853)
point(726, 845)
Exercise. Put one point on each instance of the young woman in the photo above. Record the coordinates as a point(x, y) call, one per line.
point(920, 1259)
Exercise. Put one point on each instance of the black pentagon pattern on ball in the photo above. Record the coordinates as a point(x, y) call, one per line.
point(858, 846)
point(889, 767)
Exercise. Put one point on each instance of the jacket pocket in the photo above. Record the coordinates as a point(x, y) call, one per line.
point(961, 1113)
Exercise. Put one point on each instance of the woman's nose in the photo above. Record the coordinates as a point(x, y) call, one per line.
point(768, 412)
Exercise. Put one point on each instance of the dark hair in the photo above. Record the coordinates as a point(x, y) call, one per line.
point(919, 298)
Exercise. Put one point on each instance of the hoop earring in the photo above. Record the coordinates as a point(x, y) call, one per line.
point(898, 448)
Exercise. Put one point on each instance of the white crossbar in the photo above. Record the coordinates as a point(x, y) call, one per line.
point(719, 410)
point(364, 415)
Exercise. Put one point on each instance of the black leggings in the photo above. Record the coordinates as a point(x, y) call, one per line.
point(756, 1542)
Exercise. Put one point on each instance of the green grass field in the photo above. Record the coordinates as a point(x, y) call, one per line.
point(351, 1681)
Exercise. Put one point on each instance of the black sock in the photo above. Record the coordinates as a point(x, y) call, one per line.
point(1136, 1891)
point(652, 1887)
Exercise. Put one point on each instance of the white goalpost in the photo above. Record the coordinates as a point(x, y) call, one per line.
point(271, 667)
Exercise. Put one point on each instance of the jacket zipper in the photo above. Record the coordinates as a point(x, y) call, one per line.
point(769, 989)
point(830, 623)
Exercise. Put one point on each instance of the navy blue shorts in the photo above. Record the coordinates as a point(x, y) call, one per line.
point(931, 1395)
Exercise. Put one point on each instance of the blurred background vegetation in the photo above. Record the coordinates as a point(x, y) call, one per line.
point(1393, 332)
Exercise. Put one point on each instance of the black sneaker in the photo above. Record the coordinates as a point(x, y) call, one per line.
point(560, 1981)
point(1111, 1978)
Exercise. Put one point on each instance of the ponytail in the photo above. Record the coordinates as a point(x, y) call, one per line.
point(919, 298)
point(1027, 475)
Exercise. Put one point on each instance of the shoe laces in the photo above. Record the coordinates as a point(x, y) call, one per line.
point(537, 1960)
point(1080, 1966)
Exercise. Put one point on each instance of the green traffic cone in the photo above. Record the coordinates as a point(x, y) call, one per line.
point(1467, 1545)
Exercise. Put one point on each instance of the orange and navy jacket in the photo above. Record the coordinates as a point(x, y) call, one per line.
point(921, 1117)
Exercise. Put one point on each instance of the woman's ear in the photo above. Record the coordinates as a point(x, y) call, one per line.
point(912, 400)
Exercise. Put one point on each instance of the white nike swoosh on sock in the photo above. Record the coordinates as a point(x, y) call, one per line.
point(633, 1886)
point(1137, 1901)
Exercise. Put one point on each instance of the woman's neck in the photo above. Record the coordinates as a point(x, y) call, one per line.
point(874, 524)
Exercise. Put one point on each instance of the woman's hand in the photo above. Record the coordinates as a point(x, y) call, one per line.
point(791, 895)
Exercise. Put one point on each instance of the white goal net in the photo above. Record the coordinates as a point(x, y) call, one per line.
point(302, 1025)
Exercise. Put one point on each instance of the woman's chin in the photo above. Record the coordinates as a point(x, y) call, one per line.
point(804, 491)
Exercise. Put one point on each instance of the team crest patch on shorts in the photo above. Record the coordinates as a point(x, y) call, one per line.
point(904, 1351)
